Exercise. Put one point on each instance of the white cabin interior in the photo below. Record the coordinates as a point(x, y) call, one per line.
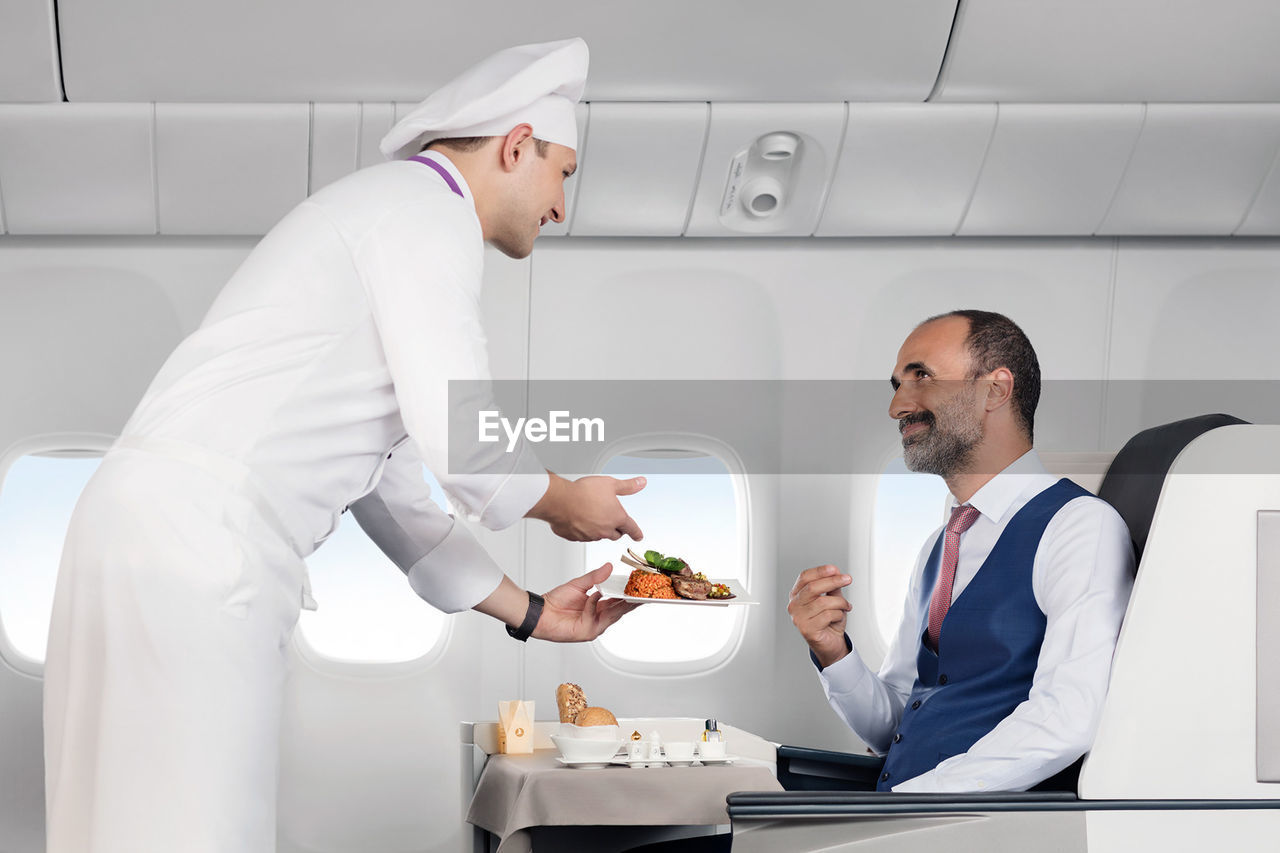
point(1105, 173)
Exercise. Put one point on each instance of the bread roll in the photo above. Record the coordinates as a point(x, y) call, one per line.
point(570, 700)
point(596, 717)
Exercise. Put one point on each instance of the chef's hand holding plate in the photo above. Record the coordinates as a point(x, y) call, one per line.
point(570, 615)
point(818, 610)
point(588, 509)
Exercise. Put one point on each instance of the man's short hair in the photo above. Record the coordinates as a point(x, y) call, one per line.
point(466, 144)
point(995, 341)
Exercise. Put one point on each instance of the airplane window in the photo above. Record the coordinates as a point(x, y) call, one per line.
point(36, 499)
point(367, 612)
point(694, 508)
point(909, 507)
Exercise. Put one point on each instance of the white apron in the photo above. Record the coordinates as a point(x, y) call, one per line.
point(315, 382)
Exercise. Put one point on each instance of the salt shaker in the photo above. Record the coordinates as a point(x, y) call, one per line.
point(655, 749)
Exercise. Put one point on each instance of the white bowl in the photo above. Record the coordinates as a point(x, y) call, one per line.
point(680, 752)
point(586, 749)
point(591, 732)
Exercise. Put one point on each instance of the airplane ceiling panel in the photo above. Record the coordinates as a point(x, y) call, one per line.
point(1104, 51)
point(229, 168)
point(766, 169)
point(1196, 169)
point(399, 50)
point(636, 188)
point(77, 168)
point(1052, 169)
point(29, 52)
point(907, 169)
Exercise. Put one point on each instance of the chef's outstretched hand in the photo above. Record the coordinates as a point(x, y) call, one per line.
point(588, 509)
point(570, 615)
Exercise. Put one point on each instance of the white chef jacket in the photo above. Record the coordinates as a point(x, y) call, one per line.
point(329, 351)
point(1081, 577)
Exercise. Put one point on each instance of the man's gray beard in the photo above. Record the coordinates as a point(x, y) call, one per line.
point(943, 453)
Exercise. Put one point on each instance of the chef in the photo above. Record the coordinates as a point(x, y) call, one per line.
point(318, 381)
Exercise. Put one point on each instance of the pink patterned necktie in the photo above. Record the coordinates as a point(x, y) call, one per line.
point(962, 518)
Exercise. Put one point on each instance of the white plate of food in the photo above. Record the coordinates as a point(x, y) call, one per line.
point(615, 586)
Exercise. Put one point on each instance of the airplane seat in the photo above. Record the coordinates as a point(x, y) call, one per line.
point(1132, 485)
point(1135, 477)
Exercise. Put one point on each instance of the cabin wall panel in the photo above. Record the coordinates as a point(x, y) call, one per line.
point(906, 169)
point(1195, 170)
point(1194, 321)
point(229, 169)
point(1101, 51)
point(77, 168)
point(1052, 170)
point(29, 70)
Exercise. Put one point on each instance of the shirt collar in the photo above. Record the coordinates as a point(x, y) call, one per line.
point(443, 160)
point(1002, 491)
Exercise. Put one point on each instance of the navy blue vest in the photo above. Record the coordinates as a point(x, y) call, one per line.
point(987, 649)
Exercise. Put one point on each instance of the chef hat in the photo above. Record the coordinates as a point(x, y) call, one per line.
point(535, 84)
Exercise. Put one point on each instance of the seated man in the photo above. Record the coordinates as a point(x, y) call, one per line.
point(996, 676)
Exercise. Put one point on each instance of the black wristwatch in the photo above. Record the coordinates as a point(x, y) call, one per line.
point(531, 617)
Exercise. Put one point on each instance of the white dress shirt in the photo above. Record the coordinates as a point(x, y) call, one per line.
point(1081, 577)
point(322, 371)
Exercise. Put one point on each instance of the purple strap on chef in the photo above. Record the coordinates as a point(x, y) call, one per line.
point(442, 172)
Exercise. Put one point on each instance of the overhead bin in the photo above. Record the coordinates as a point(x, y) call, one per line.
point(1052, 169)
point(731, 170)
point(1098, 51)
point(391, 50)
point(906, 169)
point(634, 187)
point(29, 52)
point(335, 143)
point(1196, 169)
point(77, 169)
point(229, 168)
point(1264, 217)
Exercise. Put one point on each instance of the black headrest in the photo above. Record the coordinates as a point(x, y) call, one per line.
point(1136, 475)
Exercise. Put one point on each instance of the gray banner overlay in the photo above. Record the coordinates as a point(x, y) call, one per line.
point(808, 426)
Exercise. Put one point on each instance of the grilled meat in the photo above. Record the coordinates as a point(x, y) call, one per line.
point(687, 587)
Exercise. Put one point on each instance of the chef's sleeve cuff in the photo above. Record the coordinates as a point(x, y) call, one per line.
point(457, 574)
point(523, 488)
